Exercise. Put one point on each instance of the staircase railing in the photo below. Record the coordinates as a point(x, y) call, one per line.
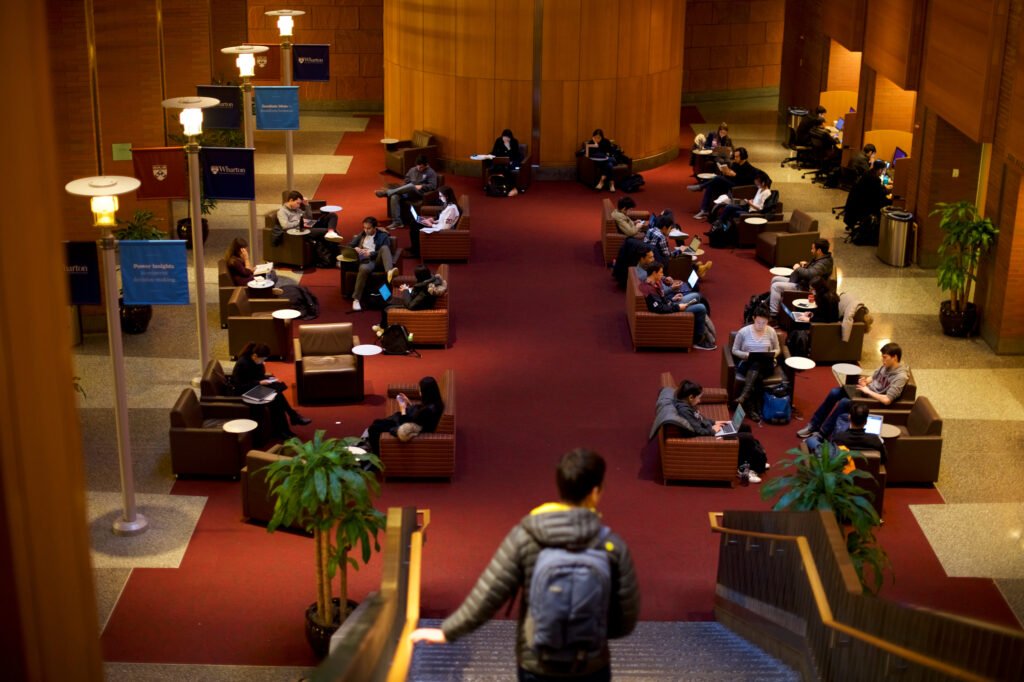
point(785, 581)
point(372, 644)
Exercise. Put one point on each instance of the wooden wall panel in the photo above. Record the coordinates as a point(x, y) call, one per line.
point(892, 107)
point(597, 106)
point(440, 39)
point(438, 113)
point(474, 114)
point(186, 31)
point(844, 22)
point(1012, 117)
point(558, 121)
point(963, 48)
point(729, 45)
point(228, 26)
point(599, 57)
point(633, 36)
point(513, 41)
point(666, 29)
point(513, 109)
point(474, 42)
point(843, 68)
point(561, 40)
point(805, 52)
point(895, 30)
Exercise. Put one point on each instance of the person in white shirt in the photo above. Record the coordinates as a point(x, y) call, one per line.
point(445, 221)
point(740, 207)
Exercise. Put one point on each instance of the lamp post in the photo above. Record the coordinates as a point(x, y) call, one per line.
point(103, 191)
point(246, 63)
point(285, 24)
point(192, 121)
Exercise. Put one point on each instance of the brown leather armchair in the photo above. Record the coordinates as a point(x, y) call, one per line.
point(294, 250)
point(225, 287)
point(611, 238)
point(400, 156)
point(428, 455)
point(827, 345)
point(915, 456)
point(734, 385)
point(902, 404)
point(655, 330)
point(199, 444)
point(698, 458)
point(497, 166)
point(251, 319)
point(257, 502)
point(588, 172)
point(784, 242)
point(326, 370)
point(347, 279)
point(447, 245)
point(214, 388)
point(432, 325)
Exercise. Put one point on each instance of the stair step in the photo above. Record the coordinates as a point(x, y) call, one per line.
point(655, 651)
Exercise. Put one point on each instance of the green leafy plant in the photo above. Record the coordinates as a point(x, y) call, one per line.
point(141, 226)
point(323, 488)
point(820, 482)
point(966, 238)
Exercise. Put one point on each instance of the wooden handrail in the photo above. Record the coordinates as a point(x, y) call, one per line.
point(825, 610)
point(402, 658)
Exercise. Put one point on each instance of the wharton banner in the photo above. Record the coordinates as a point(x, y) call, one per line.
point(311, 63)
point(82, 265)
point(228, 173)
point(277, 107)
point(162, 172)
point(227, 114)
point(268, 64)
point(154, 272)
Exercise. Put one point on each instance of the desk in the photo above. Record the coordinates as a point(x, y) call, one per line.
point(240, 426)
point(367, 349)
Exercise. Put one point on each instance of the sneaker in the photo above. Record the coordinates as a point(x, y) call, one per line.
point(381, 193)
point(700, 215)
point(807, 431)
point(298, 420)
point(694, 188)
point(377, 328)
point(767, 466)
point(752, 477)
point(743, 473)
point(611, 187)
point(705, 346)
point(391, 274)
point(356, 306)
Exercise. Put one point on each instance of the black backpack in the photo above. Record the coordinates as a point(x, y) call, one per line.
point(633, 183)
point(865, 232)
point(799, 342)
point(752, 304)
point(396, 340)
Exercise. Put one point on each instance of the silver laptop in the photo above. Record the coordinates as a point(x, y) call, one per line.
point(733, 427)
point(693, 246)
point(874, 425)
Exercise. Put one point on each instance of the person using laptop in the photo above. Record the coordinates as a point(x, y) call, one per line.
point(295, 214)
point(884, 386)
point(249, 372)
point(419, 180)
point(449, 215)
point(626, 225)
point(506, 172)
point(663, 304)
point(420, 295)
point(755, 349)
point(820, 265)
point(669, 286)
point(857, 437)
point(601, 150)
point(751, 462)
point(739, 172)
point(741, 207)
point(372, 252)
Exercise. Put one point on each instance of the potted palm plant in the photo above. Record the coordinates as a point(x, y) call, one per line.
point(966, 237)
point(142, 225)
point(827, 481)
point(324, 488)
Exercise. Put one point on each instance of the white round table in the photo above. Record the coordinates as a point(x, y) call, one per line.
point(755, 221)
point(798, 364)
point(703, 152)
point(705, 176)
point(389, 140)
point(286, 314)
point(297, 232)
point(367, 349)
point(240, 426)
point(781, 271)
point(480, 157)
point(260, 283)
point(846, 368)
point(804, 304)
point(330, 208)
point(890, 431)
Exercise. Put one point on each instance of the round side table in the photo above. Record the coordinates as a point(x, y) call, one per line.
point(285, 314)
point(798, 364)
point(781, 271)
point(240, 426)
point(367, 349)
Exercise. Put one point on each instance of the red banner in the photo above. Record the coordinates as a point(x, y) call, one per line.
point(268, 64)
point(162, 172)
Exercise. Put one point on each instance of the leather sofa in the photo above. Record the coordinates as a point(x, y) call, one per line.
point(698, 458)
point(326, 369)
point(257, 502)
point(611, 238)
point(251, 319)
point(916, 455)
point(447, 245)
point(400, 156)
point(784, 242)
point(655, 330)
point(734, 385)
point(430, 327)
point(199, 444)
point(428, 455)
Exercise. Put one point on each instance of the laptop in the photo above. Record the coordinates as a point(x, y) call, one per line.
point(693, 246)
point(874, 425)
point(259, 395)
point(840, 123)
point(415, 215)
point(263, 268)
point(385, 292)
point(731, 428)
point(348, 254)
point(762, 357)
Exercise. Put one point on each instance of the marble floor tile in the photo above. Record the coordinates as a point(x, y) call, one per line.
point(306, 163)
point(981, 394)
point(1013, 592)
point(330, 121)
point(169, 672)
point(151, 382)
point(172, 520)
point(980, 461)
point(975, 540)
point(893, 294)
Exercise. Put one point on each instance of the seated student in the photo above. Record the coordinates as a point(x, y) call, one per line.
point(855, 438)
point(420, 296)
point(505, 147)
point(751, 462)
point(295, 214)
point(662, 302)
point(867, 197)
point(239, 264)
point(372, 247)
point(739, 172)
point(419, 180)
point(249, 372)
point(757, 337)
point(885, 385)
point(863, 160)
point(718, 141)
point(741, 207)
point(823, 145)
point(820, 265)
point(425, 414)
point(240, 269)
point(603, 152)
point(807, 123)
point(826, 301)
point(446, 220)
point(626, 225)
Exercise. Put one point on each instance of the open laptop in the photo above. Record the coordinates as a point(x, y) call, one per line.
point(263, 268)
point(415, 216)
point(348, 254)
point(731, 428)
point(874, 424)
point(761, 357)
point(840, 123)
point(693, 246)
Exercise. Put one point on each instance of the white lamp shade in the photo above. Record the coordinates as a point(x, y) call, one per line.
point(104, 209)
point(192, 121)
point(246, 64)
point(285, 24)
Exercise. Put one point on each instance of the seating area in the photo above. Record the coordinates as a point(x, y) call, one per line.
point(400, 156)
point(448, 245)
point(427, 455)
point(784, 242)
point(611, 238)
point(326, 369)
point(430, 327)
point(654, 330)
point(697, 458)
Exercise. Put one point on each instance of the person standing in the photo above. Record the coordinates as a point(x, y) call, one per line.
point(571, 524)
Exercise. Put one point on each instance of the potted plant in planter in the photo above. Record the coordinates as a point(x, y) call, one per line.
point(826, 481)
point(184, 226)
point(141, 226)
point(966, 238)
point(324, 488)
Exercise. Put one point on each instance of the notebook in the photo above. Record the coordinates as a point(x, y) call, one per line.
point(733, 427)
point(263, 268)
point(259, 394)
point(874, 425)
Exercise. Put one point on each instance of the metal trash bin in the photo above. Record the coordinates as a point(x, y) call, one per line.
point(795, 114)
point(894, 233)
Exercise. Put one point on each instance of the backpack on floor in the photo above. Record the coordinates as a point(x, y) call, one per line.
point(396, 340)
point(752, 304)
point(570, 593)
point(799, 342)
point(865, 232)
point(633, 183)
point(778, 406)
point(720, 238)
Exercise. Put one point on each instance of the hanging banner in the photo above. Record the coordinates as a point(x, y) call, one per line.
point(82, 265)
point(154, 272)
point(311, 63)
point(268, 64)
point(227, 114)
point(228, 173)
point(277, 107)
point(162, 172)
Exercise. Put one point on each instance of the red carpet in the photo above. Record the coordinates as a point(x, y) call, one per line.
point(543, 363)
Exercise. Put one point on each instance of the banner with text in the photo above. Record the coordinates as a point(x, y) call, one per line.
point(228, 173)
point(311, 62)
point(81, 263)
point(227, 114)
point(268, 64)
point(277, 107)
point(154, 272)
point(162, 172)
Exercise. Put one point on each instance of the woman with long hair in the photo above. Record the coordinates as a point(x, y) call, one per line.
point(756, 337)
point(249, 372)
point(426, 413)
point(240, 267)
point(418, 296)
point(239, 264)
point(445, 221)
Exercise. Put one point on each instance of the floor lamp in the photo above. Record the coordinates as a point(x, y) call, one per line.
point(103, 192)
point(285, 24)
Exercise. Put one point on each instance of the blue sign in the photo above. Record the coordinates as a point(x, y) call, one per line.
point(228, 173)
point(277, 107)
point(82, 265)
point(154, 272)
point(311, 63)
point(227, 114)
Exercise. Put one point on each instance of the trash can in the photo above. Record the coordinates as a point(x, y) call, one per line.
point(894, 232)
point(795, 114)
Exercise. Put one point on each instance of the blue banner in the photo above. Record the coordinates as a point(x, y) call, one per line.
point(311, 62)
point(154, 272)
point(277, 107)
point(81, 263)
point(228, 173)
point(227, 114)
